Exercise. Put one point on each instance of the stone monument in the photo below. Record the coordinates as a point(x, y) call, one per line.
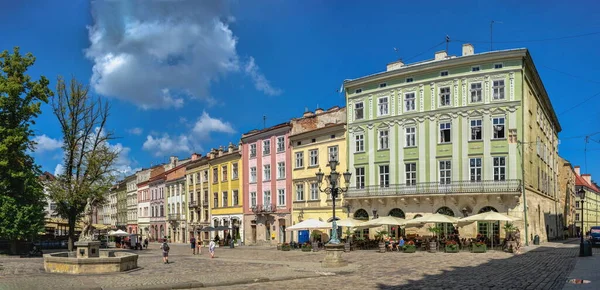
point(333, 256)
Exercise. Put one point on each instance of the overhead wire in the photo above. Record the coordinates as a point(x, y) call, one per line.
point(425, 51)
point(534, 40)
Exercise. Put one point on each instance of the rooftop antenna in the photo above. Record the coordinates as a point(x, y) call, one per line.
point(397, 51)
point(264, 121)
point(492, 33)
point(447, 42)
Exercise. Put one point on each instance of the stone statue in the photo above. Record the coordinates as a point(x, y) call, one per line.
point(87, 231)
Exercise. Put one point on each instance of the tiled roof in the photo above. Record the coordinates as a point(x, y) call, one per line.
point(580, 181)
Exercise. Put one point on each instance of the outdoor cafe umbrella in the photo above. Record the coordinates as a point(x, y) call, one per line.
point(488, 216)
point(349, 222)
point(433, 218)
point(384, 221)
point(207, 229)
point(119, 233)
point(309, 224)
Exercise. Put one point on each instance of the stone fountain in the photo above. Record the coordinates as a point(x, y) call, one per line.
point(88, 258)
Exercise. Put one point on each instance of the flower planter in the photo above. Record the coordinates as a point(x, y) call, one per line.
point(382, 247)
point(451, 249)
point(432, 247)
point(285, 248)
point(479, 248)
point(409, 248)
point(346, 247)
point(306, 249)
point(279, 247)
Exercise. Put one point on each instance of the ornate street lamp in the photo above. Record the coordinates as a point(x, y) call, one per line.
point(581, 193)
point(334, 191)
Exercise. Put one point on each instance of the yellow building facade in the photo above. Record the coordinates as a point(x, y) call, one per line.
point(225, 193)
point(198, 189)
point(315, 138)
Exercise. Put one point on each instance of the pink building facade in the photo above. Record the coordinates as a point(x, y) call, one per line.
point(267, 187)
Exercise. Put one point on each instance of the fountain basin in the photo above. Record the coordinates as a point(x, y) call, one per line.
point(108, 261)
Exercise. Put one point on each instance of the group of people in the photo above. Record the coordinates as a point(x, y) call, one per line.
point(196, 246)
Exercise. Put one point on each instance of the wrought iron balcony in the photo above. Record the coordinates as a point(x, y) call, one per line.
point(193, 204)
point(205, 203)
point(425, 188)
point(266, 208)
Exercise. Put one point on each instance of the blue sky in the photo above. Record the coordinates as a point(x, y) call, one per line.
point(196, 75)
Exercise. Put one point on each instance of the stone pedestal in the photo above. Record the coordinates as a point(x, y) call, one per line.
point(333, 256)
point(87, 249)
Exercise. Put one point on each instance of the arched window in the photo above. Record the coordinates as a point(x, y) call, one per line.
point(487, 208)
point(417, 216)
point(361, 214)
point(396, 212)
point(445, 211)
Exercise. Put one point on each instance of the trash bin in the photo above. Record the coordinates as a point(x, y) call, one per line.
point(587, 248)
point(231, 244)
point(536, 240)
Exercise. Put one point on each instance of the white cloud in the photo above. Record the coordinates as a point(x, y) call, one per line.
point(59, 169)
point(260, 81)
point(45, 143)
point(136, 131)
point(165, 145)
point(161, 53)
point(124, 163)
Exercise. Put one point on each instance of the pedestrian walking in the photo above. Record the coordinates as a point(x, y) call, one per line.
point(146, 243)
point(211, 248)
point(165, 250)
point(193, 245)
point(199, 245)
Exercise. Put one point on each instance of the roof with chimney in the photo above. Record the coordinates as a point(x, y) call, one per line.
point(581, 181)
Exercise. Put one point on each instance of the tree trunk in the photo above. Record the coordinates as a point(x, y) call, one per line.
point(71, 233)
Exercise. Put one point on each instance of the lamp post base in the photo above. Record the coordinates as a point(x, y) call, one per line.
point(333, 256)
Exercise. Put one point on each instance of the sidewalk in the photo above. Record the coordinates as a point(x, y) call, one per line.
point(586, 268)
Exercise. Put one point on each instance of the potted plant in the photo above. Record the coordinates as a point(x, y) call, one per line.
point(409, 247)
point(279, 247)
point(451, 247)
point(348, 240)
point(509, 228)
point(315, 236)
point(285, 247)
point(433, 243)
point(306, 247)
point(479, 247)
point(380, 235)
point(238, 239)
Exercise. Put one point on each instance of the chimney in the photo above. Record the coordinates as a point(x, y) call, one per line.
point(395, 65)
point(307, 114)
point(318, 111)
point(221, 150)
point(577, 170)
point(196, 156)
point(588, 178)
point(468, 49)
point(441, 55)
point(230, 148)
point(173, 161)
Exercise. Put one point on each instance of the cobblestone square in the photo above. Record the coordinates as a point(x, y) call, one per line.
point(543, 267)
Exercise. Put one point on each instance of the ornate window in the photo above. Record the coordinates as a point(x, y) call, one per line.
point(396, 212)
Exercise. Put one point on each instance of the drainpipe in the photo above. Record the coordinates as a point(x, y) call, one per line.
point(523, 158)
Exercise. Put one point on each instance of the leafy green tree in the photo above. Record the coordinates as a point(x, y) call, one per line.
point(21, 193)
point(88, 157)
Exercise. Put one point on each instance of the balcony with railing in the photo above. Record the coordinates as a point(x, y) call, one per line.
point(264, 208)
point(205, 203)
point(175, 217)
point(193, 204)
point(427, 188)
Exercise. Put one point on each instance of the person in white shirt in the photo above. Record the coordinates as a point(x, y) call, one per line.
point(211, 248)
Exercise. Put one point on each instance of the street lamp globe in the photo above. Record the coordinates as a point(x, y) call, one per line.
point(320, 176)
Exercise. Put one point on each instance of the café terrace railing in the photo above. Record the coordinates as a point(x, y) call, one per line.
point(266, 208)
point(425, 188)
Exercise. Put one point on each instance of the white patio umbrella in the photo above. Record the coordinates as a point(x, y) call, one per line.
point(488, 216)
point(384, 221)
point(111, 232)
point(349, 222)
point(434, 218)
point(309, 224)
point(119, 233)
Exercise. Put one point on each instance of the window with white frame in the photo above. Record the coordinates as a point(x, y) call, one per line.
point(266, 147)
point(360, 142)
point(360, 177)
point(281, 197)
point(267, 198)
point(383, 106)
point(280, 144)
point(314, 157)
point(266, 172)
point(500, 168)
point(475, 169)
point(577, 204)
point(476, 95)
point(234, 171)
point(253, 150)
point(475, 68)
point(280, 170)
point(476, 129)
point(215, 175)
point(445, 99)
point(358, 91)
point(498, 65)
point(411, 136)
point(224, 199)
point(224, 172)
point(499, 128)
point(498, 87)
point(205, 177)
point(409, 80)
point(333, 153)
point(411, 173)
point(359, 111)
point(299, 159)
point(445, 132)
point(409, 102)
point(577, 217)
point(300, 192)
point(444, 73)
point(235, 198)
point(314, 191)
point(382, 85)
point(445, 172)
point(383, 139)
point(215, 199)
point(253, 174)
point(253, 199)
point(384, 176)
